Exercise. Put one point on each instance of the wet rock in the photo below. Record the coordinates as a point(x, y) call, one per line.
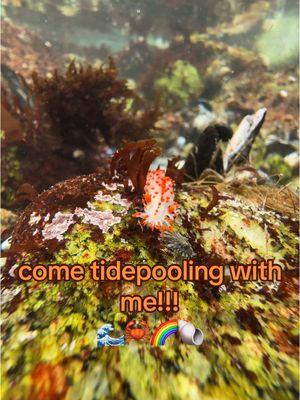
point(50, 329)
point(280, 146)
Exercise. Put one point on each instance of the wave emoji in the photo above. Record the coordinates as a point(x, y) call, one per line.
point(104, 338)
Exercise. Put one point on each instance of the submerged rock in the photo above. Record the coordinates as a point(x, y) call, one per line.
point(50, 329)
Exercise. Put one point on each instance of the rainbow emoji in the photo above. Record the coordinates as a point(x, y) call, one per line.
point(165, 330)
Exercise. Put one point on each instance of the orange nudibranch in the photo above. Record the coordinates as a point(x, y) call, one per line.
point(159, 205)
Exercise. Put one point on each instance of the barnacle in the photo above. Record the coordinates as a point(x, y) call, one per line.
point(159, 205)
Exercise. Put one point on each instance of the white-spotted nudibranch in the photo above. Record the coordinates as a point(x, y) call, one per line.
point(159, 205)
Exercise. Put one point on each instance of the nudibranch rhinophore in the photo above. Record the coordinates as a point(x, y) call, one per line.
point(159, 205)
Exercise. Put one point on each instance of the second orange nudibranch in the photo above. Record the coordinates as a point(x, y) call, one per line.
point(158, 200)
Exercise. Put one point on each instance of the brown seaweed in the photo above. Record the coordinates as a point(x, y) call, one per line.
point(69, 123)
point(214, 201)
point(82, 105)
point(134, 159)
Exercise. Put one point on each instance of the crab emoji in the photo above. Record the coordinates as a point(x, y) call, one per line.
point(137, 331)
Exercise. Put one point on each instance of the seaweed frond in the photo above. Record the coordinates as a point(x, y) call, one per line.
point(70, 119)
point(134, 160)
point(214, 201)
point(85, 104)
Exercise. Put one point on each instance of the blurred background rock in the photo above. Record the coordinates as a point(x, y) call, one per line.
point(206, 63)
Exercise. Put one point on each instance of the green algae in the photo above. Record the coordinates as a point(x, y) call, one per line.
point(277, 167)
point(179, 84)
point(282, 30)
point(12, 166)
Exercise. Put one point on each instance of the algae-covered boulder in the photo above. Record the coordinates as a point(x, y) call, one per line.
point(50, 328)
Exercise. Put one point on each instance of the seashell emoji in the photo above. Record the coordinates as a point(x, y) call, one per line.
point(189, 334)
